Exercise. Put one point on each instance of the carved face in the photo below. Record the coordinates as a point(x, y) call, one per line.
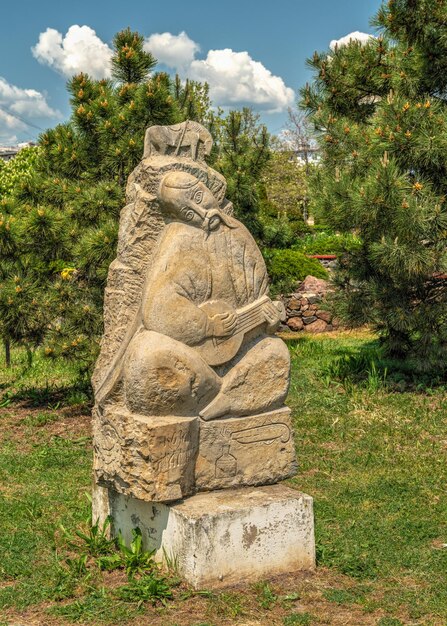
point(183, 197)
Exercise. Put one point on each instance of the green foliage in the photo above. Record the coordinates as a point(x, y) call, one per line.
point(288, 267)
point(284, 196)
point(241, 155)
point(326, 243)
point(16, 170)
point(133, 559)
point(382, 117)
point(59, 223)
point(151, 588)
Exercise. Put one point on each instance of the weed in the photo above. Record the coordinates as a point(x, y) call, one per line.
point(227, 604)
point(151, 588)
point(133, 559)
point(389, 621)
point(265, 595)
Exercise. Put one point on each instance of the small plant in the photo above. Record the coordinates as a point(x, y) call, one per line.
point(151, 588)
point(133, 559)
point(95, 541)
point(265, 595)
point(389, 621)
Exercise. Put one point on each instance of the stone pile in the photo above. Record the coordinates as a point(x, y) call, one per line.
point(305, 310)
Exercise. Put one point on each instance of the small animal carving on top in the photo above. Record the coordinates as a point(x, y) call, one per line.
point(159, 139)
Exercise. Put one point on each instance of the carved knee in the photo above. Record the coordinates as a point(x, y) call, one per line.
point(164, 377)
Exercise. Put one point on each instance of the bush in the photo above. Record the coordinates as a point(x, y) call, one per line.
point(288, 267)
point(327, 243)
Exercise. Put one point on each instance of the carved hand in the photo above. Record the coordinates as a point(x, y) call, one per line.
point(223, 324)
point(272, 316)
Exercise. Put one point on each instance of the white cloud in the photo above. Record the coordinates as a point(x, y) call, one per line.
point(19, 105)
point(80, 50)
point(234, 77)
point(362, 38)
point(176, 51)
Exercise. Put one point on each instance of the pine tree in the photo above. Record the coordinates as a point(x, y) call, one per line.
point(68, 210)
point(241, 154)
point(21, 312)
point(381, 111)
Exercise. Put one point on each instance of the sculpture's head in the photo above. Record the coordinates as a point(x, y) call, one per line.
point(184, 197)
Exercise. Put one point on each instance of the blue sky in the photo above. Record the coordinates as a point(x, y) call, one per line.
point(252, 53)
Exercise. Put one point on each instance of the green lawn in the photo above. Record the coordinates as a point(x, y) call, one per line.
point(371, 446)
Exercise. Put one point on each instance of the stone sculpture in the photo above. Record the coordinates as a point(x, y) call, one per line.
point(189, 339)
point(191, 380)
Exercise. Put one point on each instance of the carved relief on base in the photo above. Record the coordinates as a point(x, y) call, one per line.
point(162, 459)
point(149, 458)
point(243, 451)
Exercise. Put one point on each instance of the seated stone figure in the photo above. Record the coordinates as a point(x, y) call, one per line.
point(205, 345)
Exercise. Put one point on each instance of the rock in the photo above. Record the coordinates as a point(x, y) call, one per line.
point(295, 323)
point(294, 303)
point(317, 326)
point(309, 320)
point(312, 298)
point(315, 285)
point(324, 315)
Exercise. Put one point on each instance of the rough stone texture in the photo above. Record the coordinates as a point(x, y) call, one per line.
point(303, 308)
point(223, 537)
point(317, 326)
point(254, 450)
point(295, 323)
point(150, 458)
point(314, 285)
point(168, 458)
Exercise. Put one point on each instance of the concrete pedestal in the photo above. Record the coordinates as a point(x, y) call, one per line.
point(221, 537)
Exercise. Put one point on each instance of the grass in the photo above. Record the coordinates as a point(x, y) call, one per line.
point(371, 445)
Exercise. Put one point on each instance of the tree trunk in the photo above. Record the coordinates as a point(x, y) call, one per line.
point(29, 356)
point(7, 346)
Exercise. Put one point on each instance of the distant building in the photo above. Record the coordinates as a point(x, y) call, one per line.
point(9, 152)
point(308, 154)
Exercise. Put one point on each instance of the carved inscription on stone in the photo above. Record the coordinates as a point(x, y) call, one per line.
point(252, 450)
point(148, 458)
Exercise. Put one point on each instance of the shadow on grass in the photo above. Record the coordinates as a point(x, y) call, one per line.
point(51, 396)
point(365, 364)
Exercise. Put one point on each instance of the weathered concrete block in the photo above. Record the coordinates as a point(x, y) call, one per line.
point(245, 451)
point(220, 538)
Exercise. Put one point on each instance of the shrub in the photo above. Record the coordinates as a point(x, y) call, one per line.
point(327, 243)
point(288, 267)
